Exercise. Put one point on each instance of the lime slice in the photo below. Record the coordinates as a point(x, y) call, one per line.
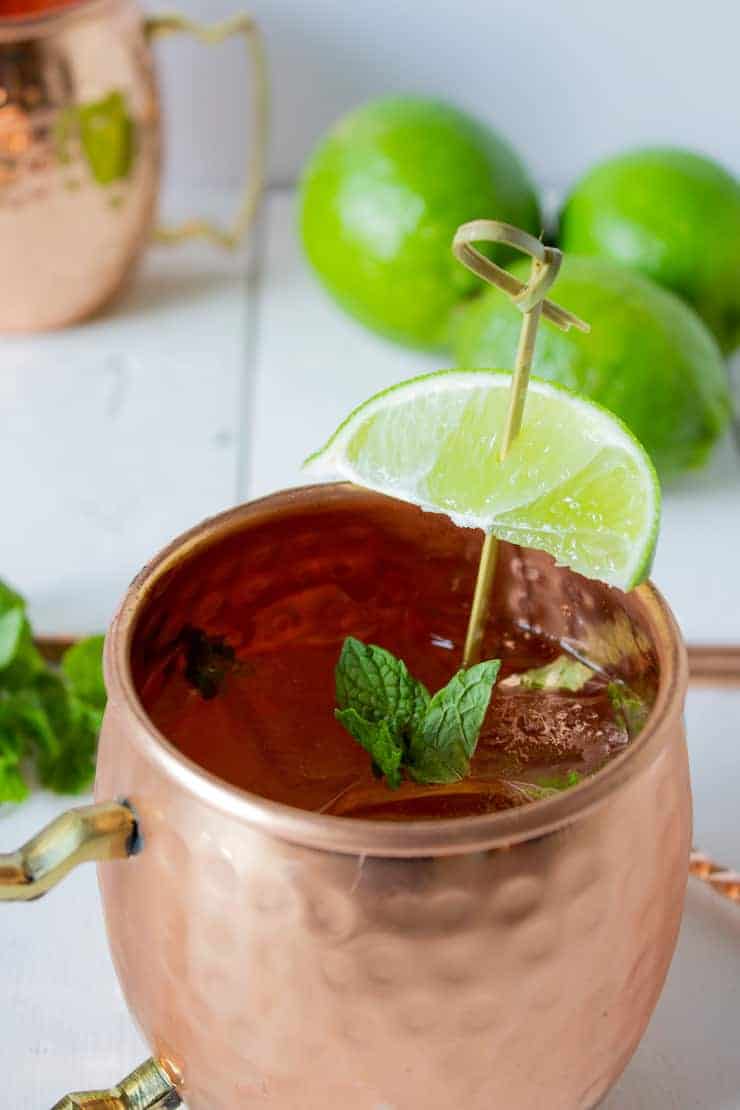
point(576, 482)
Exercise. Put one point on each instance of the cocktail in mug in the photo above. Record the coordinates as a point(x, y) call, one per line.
point(398, 769)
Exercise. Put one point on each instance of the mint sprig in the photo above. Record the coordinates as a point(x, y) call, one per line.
point(49, 717)
point(405, 731)
point(384, 748)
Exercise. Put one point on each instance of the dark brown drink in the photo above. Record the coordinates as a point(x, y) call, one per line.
point(237, 668)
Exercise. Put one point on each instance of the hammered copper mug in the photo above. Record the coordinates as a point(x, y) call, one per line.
point(281, 958)
point(80, 154)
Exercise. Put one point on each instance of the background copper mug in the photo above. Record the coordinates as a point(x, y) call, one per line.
point(80, 155)
point(297, 959)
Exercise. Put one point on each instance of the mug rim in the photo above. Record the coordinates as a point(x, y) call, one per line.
point(361, 836)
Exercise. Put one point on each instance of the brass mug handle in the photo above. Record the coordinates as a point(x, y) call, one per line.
point(150, 1087)
point(229, 237)
point(100, 832)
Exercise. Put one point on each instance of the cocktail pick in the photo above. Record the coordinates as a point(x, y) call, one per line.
point(529, 298)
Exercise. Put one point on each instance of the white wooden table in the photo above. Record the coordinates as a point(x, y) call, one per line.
point(209, 382)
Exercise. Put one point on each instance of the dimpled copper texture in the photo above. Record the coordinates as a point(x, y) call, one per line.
point(77, 199)
point(281, 958)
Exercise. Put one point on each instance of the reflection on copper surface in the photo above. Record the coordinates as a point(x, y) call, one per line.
point(79, 160)
point(15, 132)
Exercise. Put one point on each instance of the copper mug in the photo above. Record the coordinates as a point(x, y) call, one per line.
point(285, 958)
point(80, 154)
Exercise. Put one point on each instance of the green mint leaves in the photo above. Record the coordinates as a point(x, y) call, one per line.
point(49, 717)
point(442, 749)
point(380, 704)
point(403, 729)
point(385, 748)
point(82, 666)
point(379, 687)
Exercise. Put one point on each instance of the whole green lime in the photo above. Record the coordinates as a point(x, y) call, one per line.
point(381, 199)
point(648, 357)
point(672, 215)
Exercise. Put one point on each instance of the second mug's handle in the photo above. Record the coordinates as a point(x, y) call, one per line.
point(160, 25)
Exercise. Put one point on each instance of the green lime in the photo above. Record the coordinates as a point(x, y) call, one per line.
point(648, 356)
point(576, 483)
point(381, 199)
point(672, 215)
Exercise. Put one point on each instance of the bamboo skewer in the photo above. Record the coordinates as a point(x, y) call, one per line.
point(530, 299)
point(489, 552)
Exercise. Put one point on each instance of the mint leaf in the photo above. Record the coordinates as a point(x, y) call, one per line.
point(20, 660)
point(12, 748)
point(9, 599)
point(431, 763)
point(459, 707)
point(65, 735)
point(442, 750)
point(630, 710)
point(82, 666)
point(13, 786)
point(11, 629)
point(564, 673)
point(378, 687)
point(60, 731)
point(24, 723)
point(49, 716)
point(385, 750)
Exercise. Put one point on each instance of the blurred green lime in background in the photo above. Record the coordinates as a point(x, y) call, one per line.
point(648, 358)
point(672, 215)
point(381, 199)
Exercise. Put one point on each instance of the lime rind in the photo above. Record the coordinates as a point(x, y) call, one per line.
point(576, 482)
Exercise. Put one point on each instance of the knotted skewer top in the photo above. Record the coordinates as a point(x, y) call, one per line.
point(525, 295)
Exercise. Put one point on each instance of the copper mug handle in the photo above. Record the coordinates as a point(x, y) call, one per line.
point(99, 832)
point(196, 228)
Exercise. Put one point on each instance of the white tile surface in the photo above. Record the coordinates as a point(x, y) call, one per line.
point(120, 433)
point(313, 363)
point(143, 411)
